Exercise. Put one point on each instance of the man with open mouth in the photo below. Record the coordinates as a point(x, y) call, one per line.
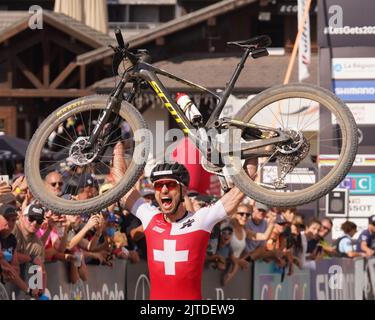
point(176, 239)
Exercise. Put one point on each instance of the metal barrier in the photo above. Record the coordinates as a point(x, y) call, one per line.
point(333, 279)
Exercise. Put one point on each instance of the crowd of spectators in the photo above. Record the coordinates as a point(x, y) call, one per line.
point(33, 234)
point(288, 240)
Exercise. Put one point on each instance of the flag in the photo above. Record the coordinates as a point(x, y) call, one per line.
point(304, 51)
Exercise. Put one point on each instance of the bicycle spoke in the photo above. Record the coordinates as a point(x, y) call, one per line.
point(83, 123)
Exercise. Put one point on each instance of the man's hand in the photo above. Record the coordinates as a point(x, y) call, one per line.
point(93, 222)
point(101, 225)
point(5, 188)
point(6, 195)
point(20, 188)
point(243, 264)
point(8, 271)
point(272, 217)
point(101, 256)
point(50, 220)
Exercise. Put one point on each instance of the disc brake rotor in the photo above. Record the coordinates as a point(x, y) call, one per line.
point(79, 154)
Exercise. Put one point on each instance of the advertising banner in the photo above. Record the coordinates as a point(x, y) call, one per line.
point(353, 68)
point(137, 281)
point(364, 113)
point(361, 206)
point(346, 23)
point(268, 285)
point(304, 50)
point(238, 288)
point(104, 283)
point(363, 160)
point(333, 279)
point(359, 183)
point(355, 90)
point(364, 269)
point(138, 284)
point(301, 176)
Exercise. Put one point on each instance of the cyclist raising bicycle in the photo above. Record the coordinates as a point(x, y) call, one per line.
point(176, 239)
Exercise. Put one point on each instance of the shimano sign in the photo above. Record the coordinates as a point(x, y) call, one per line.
point(355, 90)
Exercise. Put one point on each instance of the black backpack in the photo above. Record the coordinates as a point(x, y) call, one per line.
point(339, 253)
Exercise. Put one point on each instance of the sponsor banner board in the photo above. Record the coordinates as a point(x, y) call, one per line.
point(362, 160)
point(364, 113)
point(346, 23)
point(333, 279)
point(268, 284)
point(355, 90)
point(353, 68)
point(359, 183)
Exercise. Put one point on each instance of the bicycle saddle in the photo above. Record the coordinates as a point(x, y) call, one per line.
point(262, 41)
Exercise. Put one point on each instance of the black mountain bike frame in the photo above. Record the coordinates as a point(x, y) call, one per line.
point(142, 71)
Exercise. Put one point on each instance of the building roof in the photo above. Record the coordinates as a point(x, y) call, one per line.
point(12, 22)
point(142, 2)
point(216, 70)
point(170, 27)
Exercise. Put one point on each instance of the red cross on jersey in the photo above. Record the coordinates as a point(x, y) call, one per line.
point(176, 251)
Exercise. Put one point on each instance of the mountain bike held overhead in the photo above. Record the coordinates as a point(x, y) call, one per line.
point(78, 138)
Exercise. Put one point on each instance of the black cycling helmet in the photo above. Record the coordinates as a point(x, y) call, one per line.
point(175, 171)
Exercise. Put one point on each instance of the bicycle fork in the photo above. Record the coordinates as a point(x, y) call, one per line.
point(113, 105)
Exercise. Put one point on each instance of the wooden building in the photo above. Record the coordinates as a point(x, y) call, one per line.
point(41, 69)
point(38, 67)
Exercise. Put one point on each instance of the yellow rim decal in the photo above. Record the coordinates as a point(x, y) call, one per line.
point(61, 112)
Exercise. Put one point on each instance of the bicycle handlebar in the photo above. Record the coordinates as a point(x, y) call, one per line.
point(120, 40)
point(123, 45)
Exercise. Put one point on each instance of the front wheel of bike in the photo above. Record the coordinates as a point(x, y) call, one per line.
point(289, 175)
point(69, 178)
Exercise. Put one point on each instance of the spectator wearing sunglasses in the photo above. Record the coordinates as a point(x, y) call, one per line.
point(319, 246)
point(54, 182)
point(259, 224)
point(238, 241)
point(30, 248)
point(9, 259)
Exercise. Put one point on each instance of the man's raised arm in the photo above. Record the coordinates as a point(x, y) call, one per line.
point(233, 198)
point(118, 171)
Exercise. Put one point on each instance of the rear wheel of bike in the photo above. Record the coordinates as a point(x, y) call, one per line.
point(87, 177)
point(316, 120)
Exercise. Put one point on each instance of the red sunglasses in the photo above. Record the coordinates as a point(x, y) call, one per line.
point(170, 184)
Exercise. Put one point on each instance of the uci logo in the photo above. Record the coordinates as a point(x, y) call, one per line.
point(357, 184)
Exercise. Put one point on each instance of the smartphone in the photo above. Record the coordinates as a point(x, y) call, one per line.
point(4, 178)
